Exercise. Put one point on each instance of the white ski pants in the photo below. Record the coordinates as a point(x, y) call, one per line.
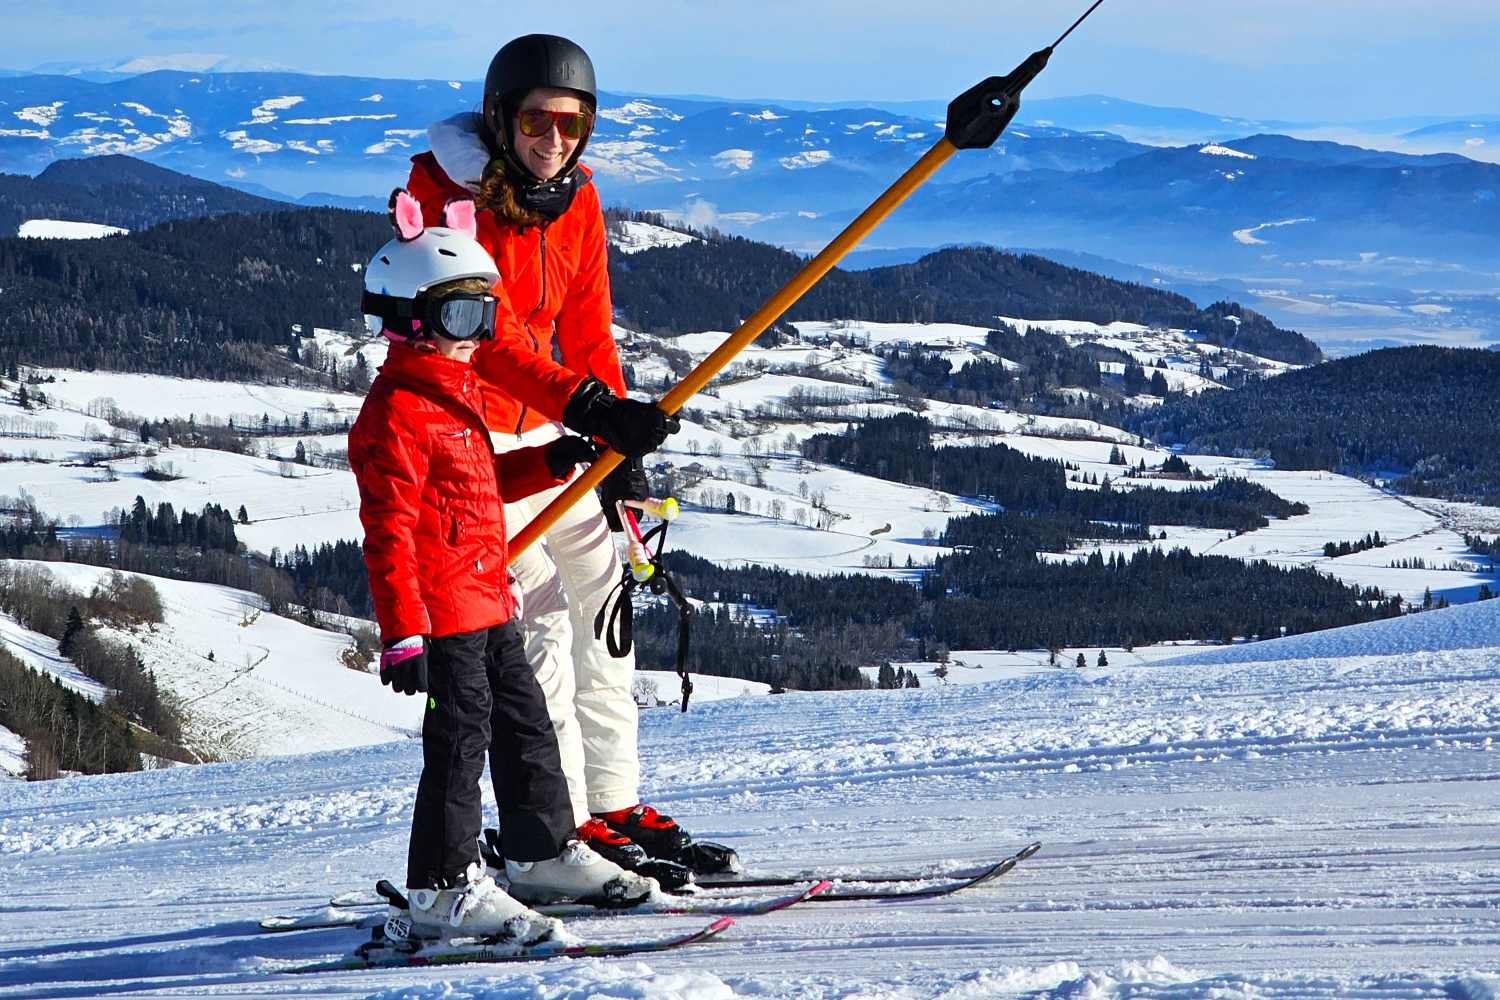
point(564, 579)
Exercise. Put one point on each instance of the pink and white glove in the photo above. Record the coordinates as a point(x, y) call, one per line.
point(403, 665)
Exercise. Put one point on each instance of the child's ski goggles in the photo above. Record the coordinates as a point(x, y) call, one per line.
point(457, 316)
point(537, 122)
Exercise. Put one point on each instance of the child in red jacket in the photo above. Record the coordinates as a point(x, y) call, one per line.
point(431, 490)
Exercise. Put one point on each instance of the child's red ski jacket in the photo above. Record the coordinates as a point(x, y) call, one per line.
point(430, 493)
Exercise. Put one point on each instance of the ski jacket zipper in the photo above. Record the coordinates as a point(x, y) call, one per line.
point(536, 345)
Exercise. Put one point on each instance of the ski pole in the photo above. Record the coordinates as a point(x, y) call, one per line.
point(976, 118)
point(637, 556)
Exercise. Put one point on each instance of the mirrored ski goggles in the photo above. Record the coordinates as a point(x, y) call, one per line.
point(457, 316)
point(537, 122)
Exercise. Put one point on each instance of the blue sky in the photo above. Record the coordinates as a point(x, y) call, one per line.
point(1288, 59)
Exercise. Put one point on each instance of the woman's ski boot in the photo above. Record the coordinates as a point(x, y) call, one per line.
point(664, 840)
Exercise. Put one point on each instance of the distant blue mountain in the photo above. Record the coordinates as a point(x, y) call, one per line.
point(296, 133)
point(1310, 151)
point(1254, 204)
point(1217, 211)
point(1473, 132)
point(1140, 122)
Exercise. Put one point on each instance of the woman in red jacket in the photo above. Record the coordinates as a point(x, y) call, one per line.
point(541, 222)
point(430, 493)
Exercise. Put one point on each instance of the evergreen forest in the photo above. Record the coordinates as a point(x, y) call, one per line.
point(1414, 415)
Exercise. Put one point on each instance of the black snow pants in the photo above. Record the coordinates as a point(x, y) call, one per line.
point(483, 698)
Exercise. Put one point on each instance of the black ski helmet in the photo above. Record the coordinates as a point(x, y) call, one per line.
point(529, 62)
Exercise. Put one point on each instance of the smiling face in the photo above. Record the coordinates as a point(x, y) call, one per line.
point(546, 155)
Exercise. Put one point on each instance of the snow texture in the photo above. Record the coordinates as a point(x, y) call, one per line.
point(40, 653)
point(1213, 149)
point(1181, 857)
point(633, 237)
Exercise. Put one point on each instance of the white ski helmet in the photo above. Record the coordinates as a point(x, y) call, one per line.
point(420, 257)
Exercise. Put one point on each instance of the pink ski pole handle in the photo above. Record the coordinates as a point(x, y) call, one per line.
point(636, 554)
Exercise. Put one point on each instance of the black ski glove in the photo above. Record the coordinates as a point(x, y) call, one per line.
point(566, 452)
point(403, 665)
point(626, 482)
point(629, 426)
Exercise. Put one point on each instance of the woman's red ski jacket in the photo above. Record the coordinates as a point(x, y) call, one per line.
point(553, 289)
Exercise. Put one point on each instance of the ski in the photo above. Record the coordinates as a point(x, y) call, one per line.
point(480, 953)
point(947, 888)
point(692, 905)
point(335, 917)
point(953, 881)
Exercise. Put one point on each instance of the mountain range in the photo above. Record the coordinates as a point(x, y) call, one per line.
point(1313, 233)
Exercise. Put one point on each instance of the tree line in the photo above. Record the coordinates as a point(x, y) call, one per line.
point(825, 627)
point(213, 298)
point(202, 548)
point(1414, 415)
point(118, 191)
point(901, 449)
point(714, 283)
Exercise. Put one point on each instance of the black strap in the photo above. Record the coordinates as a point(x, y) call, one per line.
point(616, 625)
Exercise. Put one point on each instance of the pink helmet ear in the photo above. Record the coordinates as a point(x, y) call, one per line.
point(459, 215)
point(406, 215)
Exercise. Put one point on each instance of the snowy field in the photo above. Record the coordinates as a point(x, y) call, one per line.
point(1313, 816)
point(159, 396)
point(59, 229)
point(40, 653)
point(1317, 819)
point(12, 750)
point(252, 683)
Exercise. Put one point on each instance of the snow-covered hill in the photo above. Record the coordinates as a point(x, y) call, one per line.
point(740, 441)
point(1319, 823)
point(633, 237)
point(54, 229)
point(252, 683)
point(12, 753)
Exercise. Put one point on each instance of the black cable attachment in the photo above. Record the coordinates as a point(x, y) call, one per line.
point(978, 115)
point(616, 625)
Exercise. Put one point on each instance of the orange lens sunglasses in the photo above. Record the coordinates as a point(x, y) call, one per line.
point(537, 122)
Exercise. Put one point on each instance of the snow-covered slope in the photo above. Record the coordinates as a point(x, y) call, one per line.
point(12, 753)
point(55, 229)
point(158, 396)
point(254, 683)
point(39, 652)
point(1292, 828)
point(1471, 626)
point(633, 237)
